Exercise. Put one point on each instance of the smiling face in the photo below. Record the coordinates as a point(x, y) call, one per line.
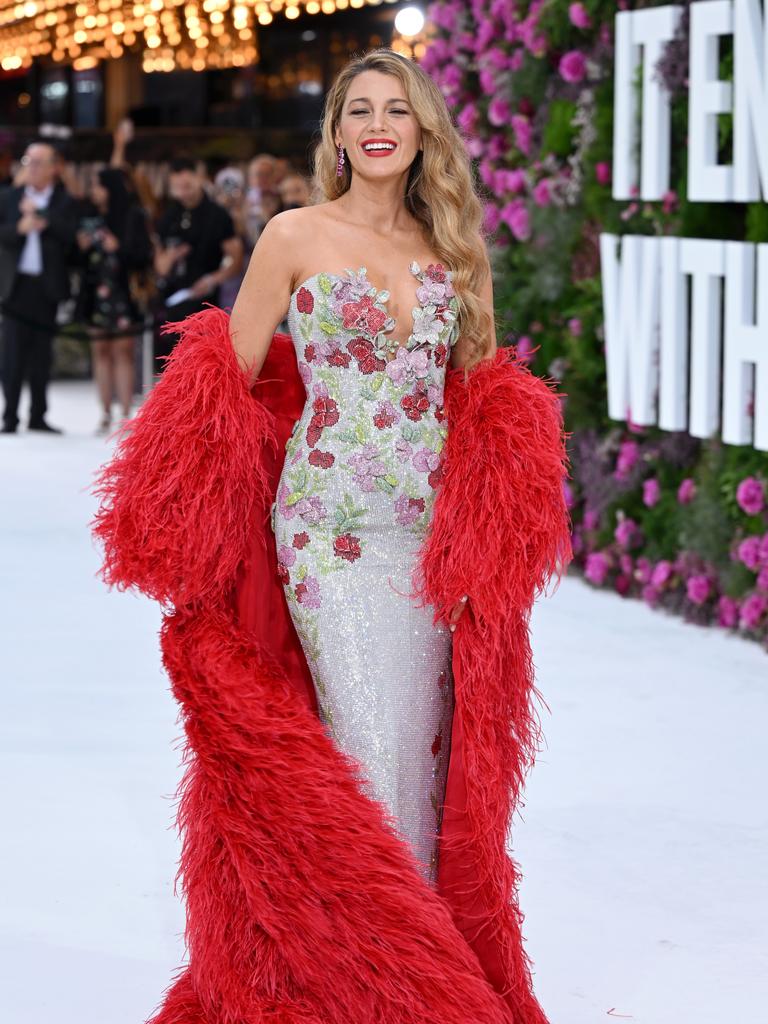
point(375, 108)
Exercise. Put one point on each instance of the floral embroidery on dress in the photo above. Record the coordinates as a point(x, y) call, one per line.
point(380, 431)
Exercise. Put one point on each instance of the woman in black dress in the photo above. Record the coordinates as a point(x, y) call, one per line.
point(115, 241)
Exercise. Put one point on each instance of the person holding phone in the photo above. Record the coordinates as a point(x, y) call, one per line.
point(114, 242)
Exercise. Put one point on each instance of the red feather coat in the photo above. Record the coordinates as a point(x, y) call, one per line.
point(302, 905)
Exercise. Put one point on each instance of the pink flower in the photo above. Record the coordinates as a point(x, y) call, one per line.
point(622, 584)
point(670, 201)
point(522, 129)
point(626, 533)
point(752, 610)
point(626, 564)
point(574, 326)
point(762, 578)
point(591, 519)
point(308, 592)
point(698, 588)
point(596, 567)
point(686, 492)
point(628, 455)
point(505, 180)
point(603, 172)
point(643, 570)
point(749, 495)
point(467, 118)
point(524, 347)
point(285, 555)
point(541, 194)
point(491, 217)
point(727, 612)
point(661, 573)
point(516, 217)
point(572, 66)
point(499, 112)
point(578, 16)
point(748, 553)
point(651, 492)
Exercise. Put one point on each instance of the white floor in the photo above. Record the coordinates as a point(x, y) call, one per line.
point(644, 839)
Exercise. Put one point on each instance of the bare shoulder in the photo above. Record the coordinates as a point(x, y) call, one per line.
point(293, 231)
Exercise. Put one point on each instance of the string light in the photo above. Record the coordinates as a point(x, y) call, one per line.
point(169, 33)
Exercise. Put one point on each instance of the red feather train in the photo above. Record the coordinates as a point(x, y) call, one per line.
point(303, 904)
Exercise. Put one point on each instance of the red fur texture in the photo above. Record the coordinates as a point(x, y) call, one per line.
point(303, 905)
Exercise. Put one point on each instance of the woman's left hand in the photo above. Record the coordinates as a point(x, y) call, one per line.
point(457, 612)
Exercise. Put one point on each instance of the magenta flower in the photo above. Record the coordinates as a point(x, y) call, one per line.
point(651, 492)
point(762, 578)
point(574, 326)
point(643, 570)
point(686, 492)
point(627, 457)
point(661, 573)
point(727, 612)
point(467, 118)
point(491, 217)
point(752, 610)
point(750, 496)
point(499, 111)
point(670, 201)
point(572, 66)
point(516, 217)
point(578, 16)
point(522, 129)
point(509, 180)
point(596, 567)
point(626, 564)
point(603, 172)
point(591, 519)
point(524, 347)
point(698, 588)
point(541, 194)
point(748, 553)
point(626, 533)
point(568, 495)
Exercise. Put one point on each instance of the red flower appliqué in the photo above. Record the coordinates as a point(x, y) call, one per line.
point(437, 272)
point(364, 353)
point(324, 460)
point(300, 540)
point(363, 316)
point(309, 353)
point(383, 419)
point(440, 354)
point(415, 404)
point(325, 414)
point(338, 358)
point(435, 476)
point(346, 546)
point(282, 574)
point(305, 300)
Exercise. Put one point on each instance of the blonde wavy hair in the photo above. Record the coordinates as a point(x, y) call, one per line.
point(441, 191)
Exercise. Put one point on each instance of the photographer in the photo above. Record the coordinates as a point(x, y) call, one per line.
point(115, 242)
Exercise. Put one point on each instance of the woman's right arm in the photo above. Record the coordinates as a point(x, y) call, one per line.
point(265, 293)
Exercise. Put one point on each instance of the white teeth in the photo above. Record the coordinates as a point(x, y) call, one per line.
point(378, 145)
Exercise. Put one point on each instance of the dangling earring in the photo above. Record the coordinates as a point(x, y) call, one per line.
point(340, 163)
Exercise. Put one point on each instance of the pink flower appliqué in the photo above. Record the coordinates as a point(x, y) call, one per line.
point(408, 509)
point(308, 592)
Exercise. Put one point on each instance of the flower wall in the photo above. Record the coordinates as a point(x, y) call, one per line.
point(676, 521)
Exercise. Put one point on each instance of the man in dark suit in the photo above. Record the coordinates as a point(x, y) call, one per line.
point(38, 224)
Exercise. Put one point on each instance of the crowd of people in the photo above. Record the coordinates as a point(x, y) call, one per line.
point(123, 256)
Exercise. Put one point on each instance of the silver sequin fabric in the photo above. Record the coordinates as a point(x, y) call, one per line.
point(354, 502)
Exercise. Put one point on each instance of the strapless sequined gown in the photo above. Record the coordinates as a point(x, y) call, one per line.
point(353, 504)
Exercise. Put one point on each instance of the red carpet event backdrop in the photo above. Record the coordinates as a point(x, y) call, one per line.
point(624, 155)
